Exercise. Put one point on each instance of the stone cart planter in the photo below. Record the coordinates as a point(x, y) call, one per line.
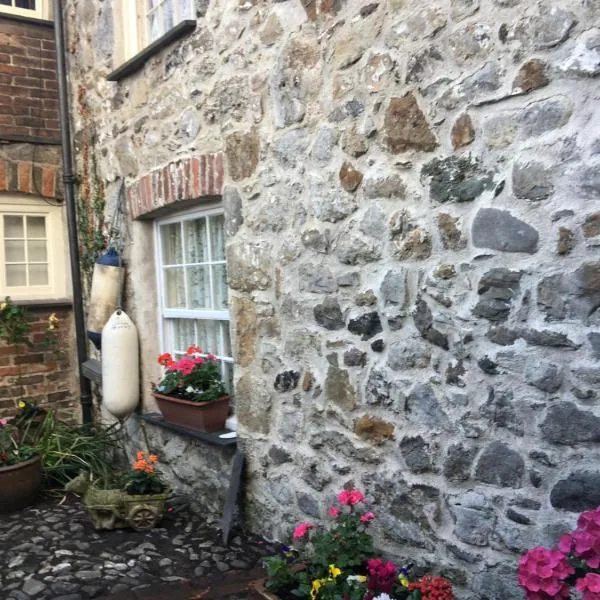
point(115, 509)
point(200, 416)
point(20, 484)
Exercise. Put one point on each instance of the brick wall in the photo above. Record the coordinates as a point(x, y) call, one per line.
point(28, 84)
point(42, 373)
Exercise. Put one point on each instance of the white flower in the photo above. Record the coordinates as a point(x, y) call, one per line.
point(383, 597)
point(189, 389)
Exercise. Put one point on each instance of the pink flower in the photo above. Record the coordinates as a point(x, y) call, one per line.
point(198, 360)
point(301, 530)
point(590, 521)
point(583, 545)
point(334, 511)
point(211, 356)
point(368, 516)
point(543, 570)
point(186, 365)
point(589, 586)
point(350, 498)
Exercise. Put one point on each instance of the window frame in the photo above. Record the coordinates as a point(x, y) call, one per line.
point(163, 313)
point(58, 287)
point(134, 34)
point(42, 12)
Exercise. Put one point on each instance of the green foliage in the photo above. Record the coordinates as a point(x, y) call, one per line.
point(143, 478)
point(347, 544)
point(68, 449)
point(14, 326)
point(194, 377)
point(13, 449)
point(280, 576)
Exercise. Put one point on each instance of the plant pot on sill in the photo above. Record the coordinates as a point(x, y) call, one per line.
point(200, 416)
point(20, 484)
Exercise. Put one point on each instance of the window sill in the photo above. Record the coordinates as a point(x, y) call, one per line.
point(207, 438)
point(135, 63)
point(27, 20)
point(51, 303)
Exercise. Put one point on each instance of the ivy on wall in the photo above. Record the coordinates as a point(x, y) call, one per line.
point(91, 224)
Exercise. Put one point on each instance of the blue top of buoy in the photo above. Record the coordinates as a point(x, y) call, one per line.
point(110, 258)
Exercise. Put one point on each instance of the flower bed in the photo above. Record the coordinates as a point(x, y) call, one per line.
point(341, 562)
point(552, 574)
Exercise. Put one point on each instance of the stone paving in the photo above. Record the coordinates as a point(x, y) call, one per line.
point(51, 552)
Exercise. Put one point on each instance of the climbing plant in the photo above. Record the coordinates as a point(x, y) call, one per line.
point(91, 199)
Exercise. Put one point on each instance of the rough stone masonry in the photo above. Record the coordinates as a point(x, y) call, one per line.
point(412, 194)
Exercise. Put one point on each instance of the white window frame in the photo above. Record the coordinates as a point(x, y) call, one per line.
point(134, 32)
point(164, 314)
point(58, 287)
point(43, 10)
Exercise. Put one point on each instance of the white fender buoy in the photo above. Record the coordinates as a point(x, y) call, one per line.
point(120, 365)
point(107, 282)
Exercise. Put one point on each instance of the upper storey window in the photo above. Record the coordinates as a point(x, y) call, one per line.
point(35, 9)
point(144, 27)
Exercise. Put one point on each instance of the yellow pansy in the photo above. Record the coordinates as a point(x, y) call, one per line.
point(334, 571)
point(316, 584)
point(21, 404)
point(2, 306)
point(403, 581)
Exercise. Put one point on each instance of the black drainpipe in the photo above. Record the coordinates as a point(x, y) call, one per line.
point(85, 386)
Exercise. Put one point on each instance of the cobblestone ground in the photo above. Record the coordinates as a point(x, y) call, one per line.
point(51, 552)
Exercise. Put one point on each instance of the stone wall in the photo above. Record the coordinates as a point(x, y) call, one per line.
point(413, 200)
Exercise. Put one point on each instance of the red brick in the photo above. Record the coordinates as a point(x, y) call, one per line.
point(41, 73)
point(203, 171)
point(6, 120)
point(12, 50)
point(26, 61)
point(195, 192)
point(220, 173)
point(24, 178)
point(48, 45)
point(27, 82)
point(12, 70)
point(3, 188)
point(48, 182)
point(51, 124)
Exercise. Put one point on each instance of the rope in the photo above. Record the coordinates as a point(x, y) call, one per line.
point(116, 237)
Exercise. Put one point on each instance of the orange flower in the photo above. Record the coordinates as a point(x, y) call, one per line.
point(165, 359)
point(153, 458)
point(140, 455)
point(149, 468)
point(194, 350)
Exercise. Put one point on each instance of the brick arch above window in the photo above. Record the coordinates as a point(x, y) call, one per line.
point(26, 177)
point(181, 180)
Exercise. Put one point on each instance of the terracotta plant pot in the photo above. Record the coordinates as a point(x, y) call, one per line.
point(20, 484)
point(200, 416)
point(258, 591)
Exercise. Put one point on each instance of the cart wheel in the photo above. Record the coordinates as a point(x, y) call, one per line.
point(143, 517)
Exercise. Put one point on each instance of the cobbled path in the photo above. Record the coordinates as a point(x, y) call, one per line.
point(51, 552)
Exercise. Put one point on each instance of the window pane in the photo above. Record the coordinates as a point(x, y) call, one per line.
point(14, 250)
point(28, 4)
point(217, 237)
point(174, 288)
point(167, 9)
point(198, 287)
point(16, 275)
point(13, 227)
point(36, 227)
point(38, 274)
point(5, 2)
point(186, 8)
point(219, 287)
point(225, 339)
point(207, 336)
point(36, 251)
point(184, 334)
point(196, 248)
point(171, 244)
point(154, 30)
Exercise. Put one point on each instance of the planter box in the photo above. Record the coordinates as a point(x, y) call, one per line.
point(258, 591)
point(200, 416)
point(20, 484)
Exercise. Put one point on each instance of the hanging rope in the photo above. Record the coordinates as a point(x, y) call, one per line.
point(116, 236)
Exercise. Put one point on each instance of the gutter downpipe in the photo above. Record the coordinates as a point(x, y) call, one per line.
point(85, 386)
